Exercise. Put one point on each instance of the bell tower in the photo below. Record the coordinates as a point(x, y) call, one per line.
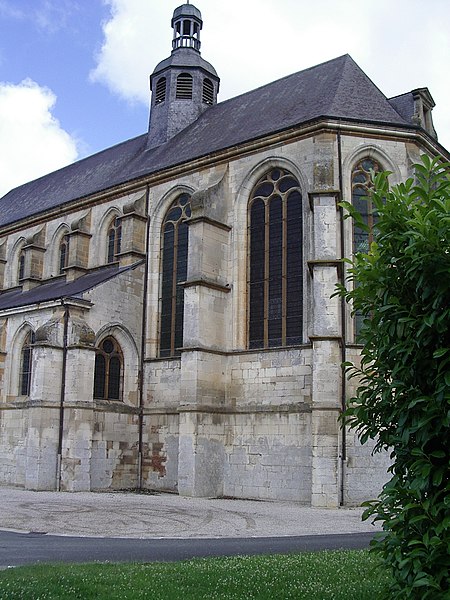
point(183, 85)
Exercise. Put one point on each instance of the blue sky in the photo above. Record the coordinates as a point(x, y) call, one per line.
point(74, 73)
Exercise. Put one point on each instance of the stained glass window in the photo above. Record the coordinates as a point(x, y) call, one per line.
point(21, 268)
point(26, 365)
point(275, 274)
point(361, 184)
point(63, 253)
point(108, 370)
point(114, 240)
point(173, 272)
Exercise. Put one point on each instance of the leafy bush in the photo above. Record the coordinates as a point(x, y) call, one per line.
point(401, 287)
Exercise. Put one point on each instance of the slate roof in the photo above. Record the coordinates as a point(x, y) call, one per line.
point(336, 89)
point(404, 105)
point(59, 289)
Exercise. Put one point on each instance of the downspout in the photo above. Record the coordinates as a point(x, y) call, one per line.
point(143, 337)
point(62, 397)
point(341, 276)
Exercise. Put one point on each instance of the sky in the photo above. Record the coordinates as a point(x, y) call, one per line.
point(74, 74)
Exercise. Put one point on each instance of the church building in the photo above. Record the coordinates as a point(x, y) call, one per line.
point(167, 318)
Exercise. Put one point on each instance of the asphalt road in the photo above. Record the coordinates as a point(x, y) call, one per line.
point(31, 548)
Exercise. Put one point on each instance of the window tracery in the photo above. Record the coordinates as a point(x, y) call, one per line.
point(63, 254)
point(174, 259)
point(275, 271)
point(114, 240)
point(361, 200)
point(108, 370)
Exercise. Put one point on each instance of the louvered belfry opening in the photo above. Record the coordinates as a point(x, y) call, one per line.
point(184, 86)
point(161, 87)
point(275, 272)
point(208, 91)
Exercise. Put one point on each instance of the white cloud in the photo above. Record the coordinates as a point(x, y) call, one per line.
point(131, 40)
point(32, 141)
point(401, 46)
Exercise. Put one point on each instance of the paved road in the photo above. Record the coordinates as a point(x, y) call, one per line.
point(22, 549)
point(84, 526)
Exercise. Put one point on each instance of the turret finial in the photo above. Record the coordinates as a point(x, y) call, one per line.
point(187, 23)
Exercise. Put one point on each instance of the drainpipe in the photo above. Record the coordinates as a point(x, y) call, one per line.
point(344, 331)
point(62, 397)
point(143, 337)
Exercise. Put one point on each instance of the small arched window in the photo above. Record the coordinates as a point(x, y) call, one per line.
point(63, 254)
point(114, 240)
point(208, 91)
point(108, 370)
point(26, 364)
point(184, 87)
point(161, 90)
point(275, 272)
point(174, 260)
point(21, 266)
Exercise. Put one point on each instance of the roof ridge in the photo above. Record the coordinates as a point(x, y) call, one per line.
point(270, 83)
point(343, 85)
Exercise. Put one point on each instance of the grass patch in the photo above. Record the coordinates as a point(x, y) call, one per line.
point(331, 575)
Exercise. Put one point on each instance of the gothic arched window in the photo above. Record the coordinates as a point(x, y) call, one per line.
point(21, 266)
point(108, 370)
point(63, 254)
point(174, 258)
point(361, 184)
point(275, 271)
point(361, 200)
point(114, 240)
point(26, 365)
point(184, 86)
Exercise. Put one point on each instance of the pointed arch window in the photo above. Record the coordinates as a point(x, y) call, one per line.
point(114, 240)
point(184, 86)
point(108, 370)
point(174, 260)
point(361, 200)
point(21, 266)
point(361, 185)
point(208, 91)
point(275, 265)
point(26, 365)
point(161, 90)
point(63, 257)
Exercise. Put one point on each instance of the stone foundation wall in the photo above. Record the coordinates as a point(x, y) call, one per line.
point(364, 473)
point(13, 430)
point(160, 452)
point(114, 455)
point(268, 456)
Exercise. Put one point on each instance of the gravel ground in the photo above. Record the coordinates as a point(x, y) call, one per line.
point(134, 515)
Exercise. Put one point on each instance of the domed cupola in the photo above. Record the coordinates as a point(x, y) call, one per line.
point(183, 85)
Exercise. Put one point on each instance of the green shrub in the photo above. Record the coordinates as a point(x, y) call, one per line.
point(401, 287)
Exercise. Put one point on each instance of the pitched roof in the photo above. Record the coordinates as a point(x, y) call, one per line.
point(404, 105)
point(59, 288)
point(334, 89)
